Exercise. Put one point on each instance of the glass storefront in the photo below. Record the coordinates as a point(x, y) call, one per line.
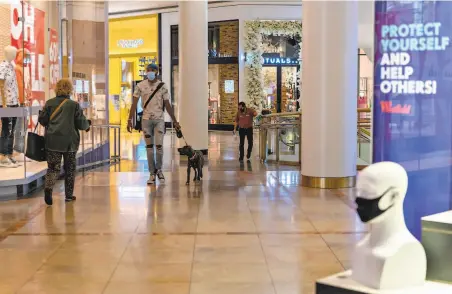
point(280, 72)
point(37, 48)
point(29, 69)
point(130, 50)
point(223, 72)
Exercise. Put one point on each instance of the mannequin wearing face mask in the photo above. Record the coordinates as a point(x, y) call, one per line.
point(9, 94)
point(389, 256)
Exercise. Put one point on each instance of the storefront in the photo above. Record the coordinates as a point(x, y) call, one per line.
point(29, 69)
point(223, 72)
point(273, 64)
point(133, 43)
point(35, 52)
point(280, 76)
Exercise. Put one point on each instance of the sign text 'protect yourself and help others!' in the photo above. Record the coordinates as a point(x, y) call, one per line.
point(397, 42)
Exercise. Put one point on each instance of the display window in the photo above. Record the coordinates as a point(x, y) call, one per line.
point(29, 69)
point(130, 50)
point(35, 52)
point(223, 72)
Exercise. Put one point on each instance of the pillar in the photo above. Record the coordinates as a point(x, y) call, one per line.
point(193, 73)
point(330, 81)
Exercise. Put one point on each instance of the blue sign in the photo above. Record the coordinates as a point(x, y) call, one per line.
point(413, 101)
point(280, 61)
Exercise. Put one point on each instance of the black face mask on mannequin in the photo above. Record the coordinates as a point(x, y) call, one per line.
point(368, 209)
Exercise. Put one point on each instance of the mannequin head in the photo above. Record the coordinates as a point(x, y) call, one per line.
point(381, 189)
point(10, 53)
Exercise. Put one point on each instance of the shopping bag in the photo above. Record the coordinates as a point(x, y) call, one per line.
point(36, 147)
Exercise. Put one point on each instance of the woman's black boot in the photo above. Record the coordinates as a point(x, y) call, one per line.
point(48, 197)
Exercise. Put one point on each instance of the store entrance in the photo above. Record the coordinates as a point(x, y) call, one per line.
point(280, 84)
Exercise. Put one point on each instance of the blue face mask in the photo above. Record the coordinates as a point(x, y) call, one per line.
point(151, 75)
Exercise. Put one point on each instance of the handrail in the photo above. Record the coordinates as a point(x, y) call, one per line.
point(279, 124)
point(106, 126)
point(282, 114)
point(286, 128)
point(97, 138)
point(276, 127)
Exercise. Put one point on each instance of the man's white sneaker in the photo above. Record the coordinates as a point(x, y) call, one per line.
point(161, 176)
point(151, 180)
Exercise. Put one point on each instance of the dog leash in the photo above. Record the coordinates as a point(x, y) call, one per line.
point(184, 140)
point(179, 132)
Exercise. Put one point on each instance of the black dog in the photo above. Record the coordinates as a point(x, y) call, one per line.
point(195, 161)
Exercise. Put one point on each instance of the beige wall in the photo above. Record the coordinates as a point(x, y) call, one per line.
point(5, 28)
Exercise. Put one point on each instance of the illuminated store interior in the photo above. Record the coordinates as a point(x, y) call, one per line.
point(36, 52)
point(130, 50)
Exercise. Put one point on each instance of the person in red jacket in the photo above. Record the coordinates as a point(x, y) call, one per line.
point(244, 122)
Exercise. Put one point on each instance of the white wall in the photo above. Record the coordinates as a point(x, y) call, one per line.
point(242, 12)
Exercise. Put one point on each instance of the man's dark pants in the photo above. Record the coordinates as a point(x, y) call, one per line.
point(248, 133)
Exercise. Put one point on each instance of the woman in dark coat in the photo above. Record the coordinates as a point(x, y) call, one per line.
point(62, 119)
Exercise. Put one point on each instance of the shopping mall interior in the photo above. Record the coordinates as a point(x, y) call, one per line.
point(347, 188)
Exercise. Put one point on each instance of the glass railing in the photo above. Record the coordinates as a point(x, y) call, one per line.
point(280, 138)
point(14, 125)
point(100, 145)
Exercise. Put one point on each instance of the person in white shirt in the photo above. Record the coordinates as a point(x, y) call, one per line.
point(155, 99)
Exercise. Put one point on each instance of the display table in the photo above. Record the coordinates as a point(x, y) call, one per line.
point(437, 242)
point(342, 284)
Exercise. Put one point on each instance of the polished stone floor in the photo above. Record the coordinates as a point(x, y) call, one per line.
point(246, 229)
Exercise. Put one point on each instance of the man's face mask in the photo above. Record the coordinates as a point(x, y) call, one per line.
point(368, 209)
point(151, 75)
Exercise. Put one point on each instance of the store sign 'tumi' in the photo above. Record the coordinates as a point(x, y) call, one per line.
point(130, 43)
point(279, 60)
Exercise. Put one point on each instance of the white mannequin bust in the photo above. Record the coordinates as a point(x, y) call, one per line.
point(389, 256)
point(10, 53)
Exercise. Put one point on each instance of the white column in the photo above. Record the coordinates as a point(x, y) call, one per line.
point(329, 103)
point(193, 73)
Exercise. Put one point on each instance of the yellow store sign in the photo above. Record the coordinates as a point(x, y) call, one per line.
point(133, 35)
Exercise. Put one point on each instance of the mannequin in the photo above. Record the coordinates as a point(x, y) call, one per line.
point(9, 93)
point(24, 86)
point(389, 257)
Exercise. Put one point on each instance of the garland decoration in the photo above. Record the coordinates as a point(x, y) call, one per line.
point(254, 32)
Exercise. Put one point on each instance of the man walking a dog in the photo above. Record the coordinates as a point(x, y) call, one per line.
point(155, 98)
point(244, 121)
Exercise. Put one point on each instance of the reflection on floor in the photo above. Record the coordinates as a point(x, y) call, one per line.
point(246, 229)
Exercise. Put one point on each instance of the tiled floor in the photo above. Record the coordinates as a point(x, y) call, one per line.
point(247, 229)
